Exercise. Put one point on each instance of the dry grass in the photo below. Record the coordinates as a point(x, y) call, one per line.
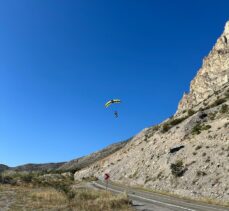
point(100, 200)
point(49, 196)
point(16, 198)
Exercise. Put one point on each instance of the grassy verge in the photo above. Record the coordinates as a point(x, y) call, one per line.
point(48, 198)
point(32, 191)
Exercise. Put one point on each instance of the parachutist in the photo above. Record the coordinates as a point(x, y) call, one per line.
point(113, 101)
point(116, 114)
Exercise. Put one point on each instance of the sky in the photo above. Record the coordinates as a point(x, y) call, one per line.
point(61, 60)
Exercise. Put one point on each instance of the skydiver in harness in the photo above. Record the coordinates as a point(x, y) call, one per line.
point(116, 114)
point(111, 102)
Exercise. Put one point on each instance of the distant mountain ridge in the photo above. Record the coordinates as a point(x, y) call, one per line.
point(73, 165)
point(3, 167)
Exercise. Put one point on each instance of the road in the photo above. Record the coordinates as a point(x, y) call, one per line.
point(149, 201)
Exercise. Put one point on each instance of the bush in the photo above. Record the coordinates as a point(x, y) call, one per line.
point(171, 123)
point(27, 178)
point(6, 179)
point(224, 109)
point(219, 102)
point(165, 127)
point(191, 112)
point(206, 127)
point(177, 121)
point(178, 168)
point(196, 129)
point(212, 115)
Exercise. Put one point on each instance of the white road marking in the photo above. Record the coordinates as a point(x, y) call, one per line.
point(159, 202)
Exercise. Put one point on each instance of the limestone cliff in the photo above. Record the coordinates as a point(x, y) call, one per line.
point(212, 75)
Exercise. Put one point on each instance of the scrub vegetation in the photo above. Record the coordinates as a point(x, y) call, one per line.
point(32, 191)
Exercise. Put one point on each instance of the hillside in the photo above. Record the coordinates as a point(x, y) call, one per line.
point(3, 167)
point(38, 167)
point(85, 161)
point(187, 154)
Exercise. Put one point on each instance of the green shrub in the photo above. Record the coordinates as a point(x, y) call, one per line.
point(172, 122)
point(219, 102)
point(6, 179)
point(178, 168)
point(190, 112)
point(212, 115)
point(177, 121)
point(206, 127)
point(165, 127)
point(27, 178)
point(196, 129)
point(224, 109)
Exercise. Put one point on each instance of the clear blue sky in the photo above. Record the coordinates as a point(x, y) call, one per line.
point(60, 61)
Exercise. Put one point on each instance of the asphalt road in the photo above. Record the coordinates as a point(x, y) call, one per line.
point(149, 201)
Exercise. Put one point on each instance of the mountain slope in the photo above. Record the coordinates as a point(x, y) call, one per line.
point(187, 154)
point(3, 167)
point(38, 167)
point(85, 161)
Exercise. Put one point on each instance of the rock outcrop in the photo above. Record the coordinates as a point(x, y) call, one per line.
point(213, 74)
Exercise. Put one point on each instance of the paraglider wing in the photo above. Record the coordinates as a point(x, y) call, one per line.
point(112, 102)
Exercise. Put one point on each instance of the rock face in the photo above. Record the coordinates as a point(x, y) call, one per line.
point(187, 154)
point(212, 75)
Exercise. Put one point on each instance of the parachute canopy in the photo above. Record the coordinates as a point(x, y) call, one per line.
point(112, 102)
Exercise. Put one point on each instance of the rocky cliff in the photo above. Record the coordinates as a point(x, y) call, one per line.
point(187, 154)
point(213, 74)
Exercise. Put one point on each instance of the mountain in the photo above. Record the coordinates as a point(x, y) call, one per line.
point(38, 167)
point(3, 167)
point(85, 161)
point(73, 165)
point(187, 154)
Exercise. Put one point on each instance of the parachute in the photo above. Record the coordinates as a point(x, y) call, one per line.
point(110, 102)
